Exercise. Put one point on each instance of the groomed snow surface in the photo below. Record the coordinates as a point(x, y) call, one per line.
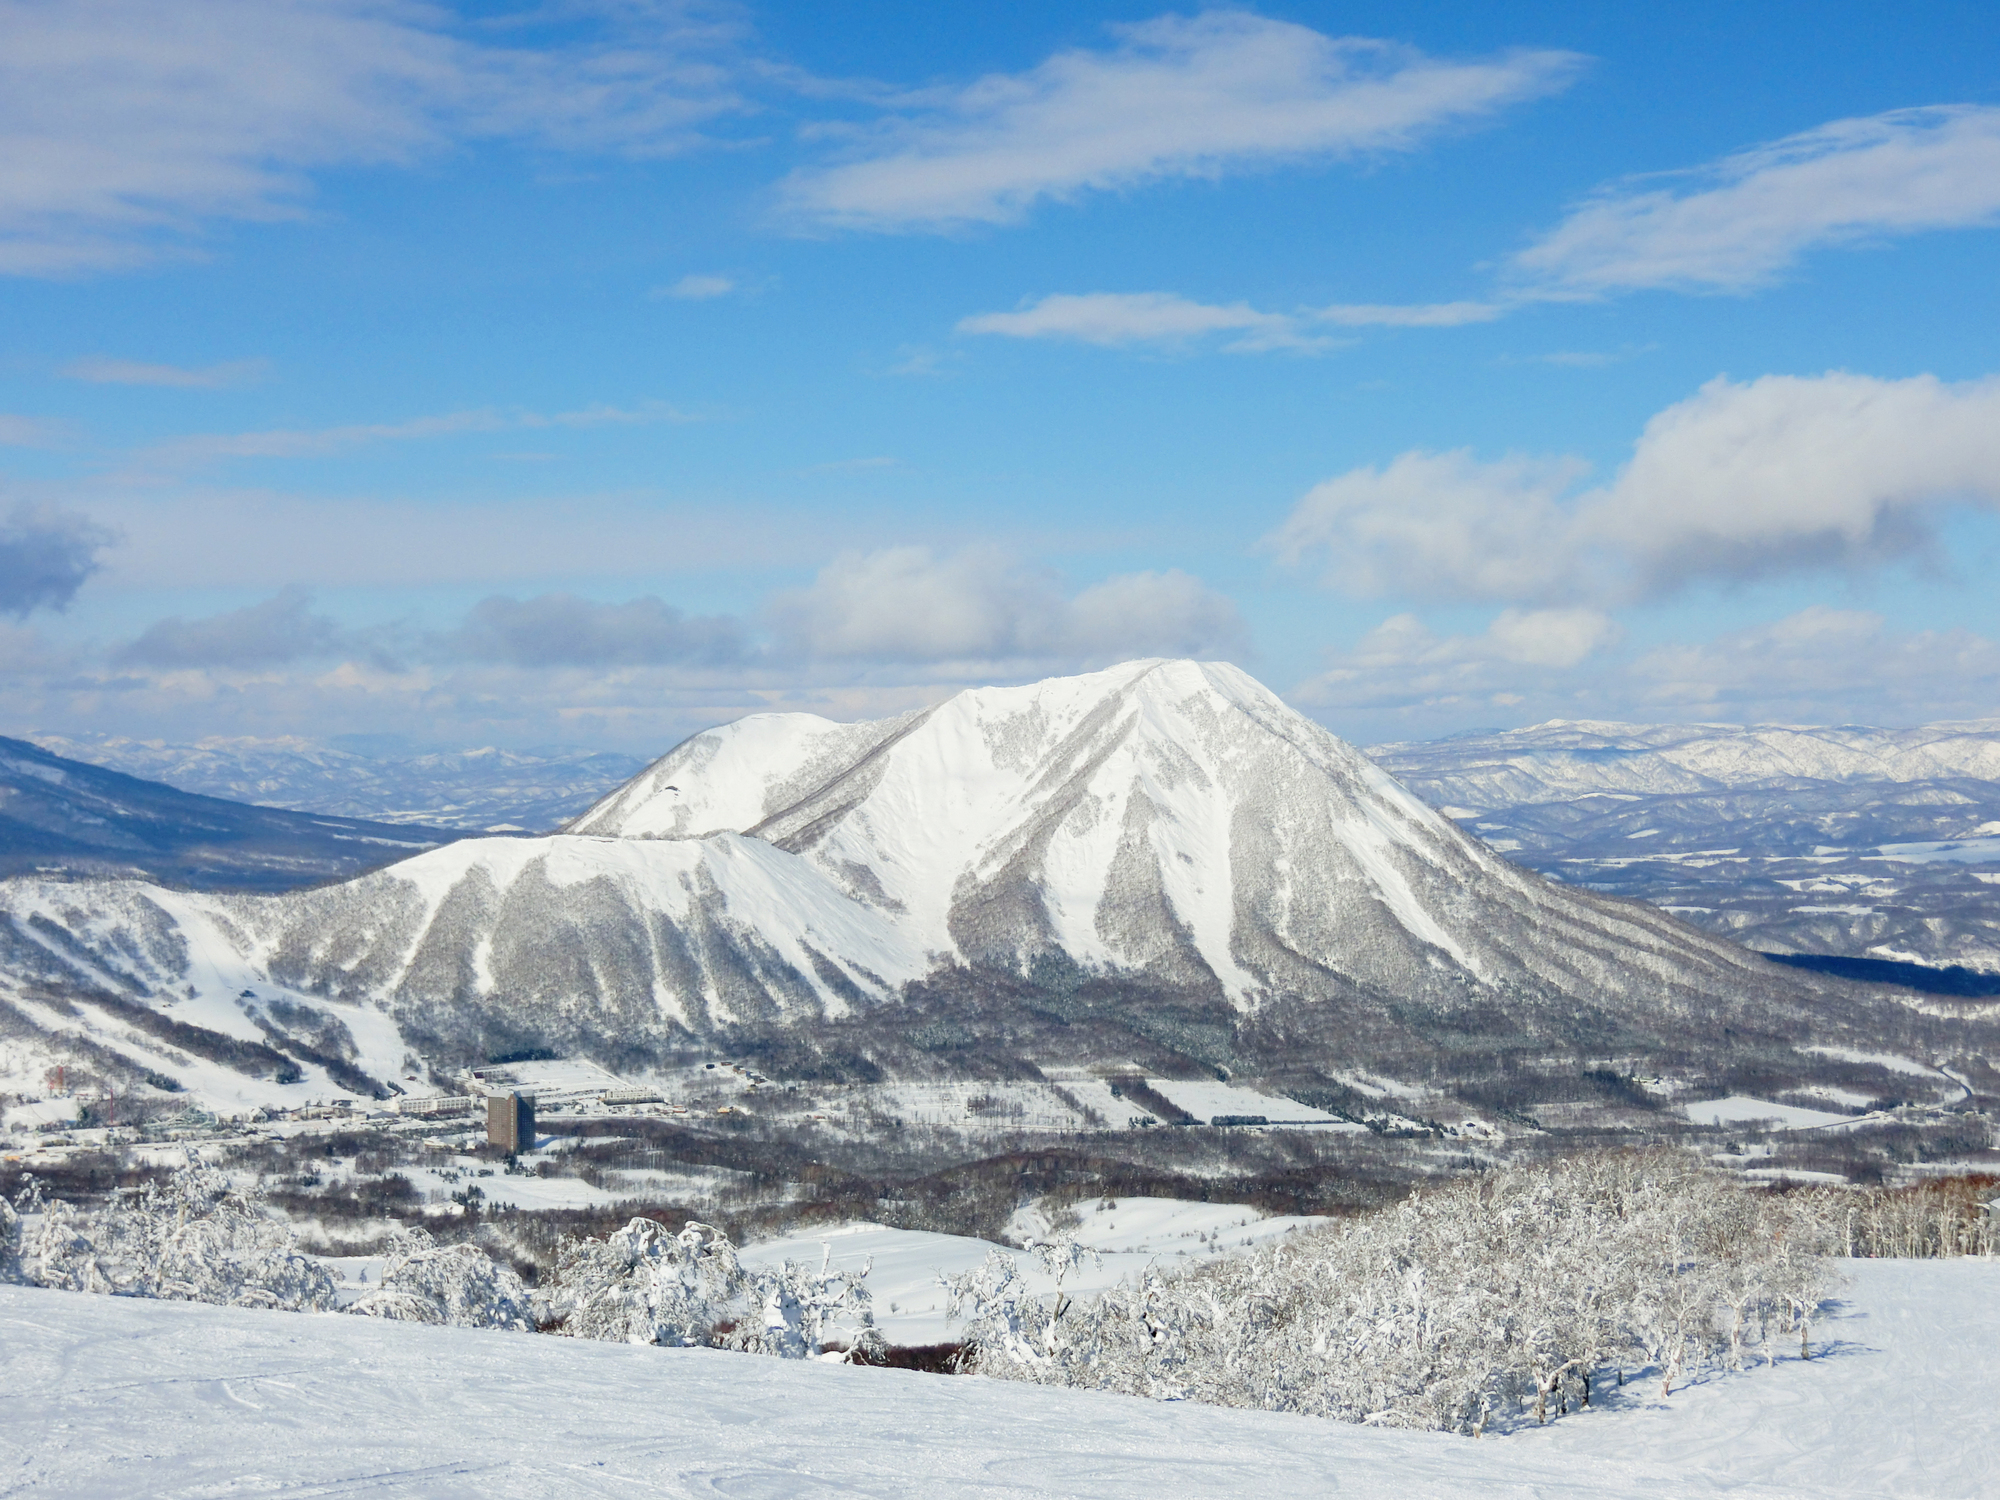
point(113, 1397)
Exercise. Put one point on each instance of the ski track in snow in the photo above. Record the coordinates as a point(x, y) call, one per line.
point(114, 1397)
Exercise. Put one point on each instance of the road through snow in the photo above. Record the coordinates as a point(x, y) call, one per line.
point(111, 1397)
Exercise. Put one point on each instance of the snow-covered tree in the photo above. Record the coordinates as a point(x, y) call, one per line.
point(1467, 1303)
point(460, 1286)
point(10, 1242)
point(646, 1284)
point(1008, 1322)
point(802, 1309)
point(190, 1238)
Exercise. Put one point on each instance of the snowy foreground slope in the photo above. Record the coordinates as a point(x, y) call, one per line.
point(111, 1397)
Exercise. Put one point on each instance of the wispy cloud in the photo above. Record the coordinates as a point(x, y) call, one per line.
point(1410, 315)
point(32, 432)
point(1115, 319)
point(1119, 319)
point(1822, 665)
point(320, 442)
point(126, 125)
point(1174, 97)
point(1740, 480)
point(1740, 223)
point(100, 370)
point(693, 288)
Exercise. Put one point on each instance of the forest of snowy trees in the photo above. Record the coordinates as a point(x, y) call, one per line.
point(1505, 1297)
point(1469, 1302)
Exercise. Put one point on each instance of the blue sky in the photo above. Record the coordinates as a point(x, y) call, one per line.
point(589, 372)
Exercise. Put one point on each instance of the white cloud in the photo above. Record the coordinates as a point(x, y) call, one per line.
point(100, 370)
point(126, 125)
point(693, 288)
point(1747, 218)
point(907, 604)
point(1175, 97)
point(1403, 663)
point(1441, 525)
point(1784, 472)
point(1119, 319)
point(1742, 479)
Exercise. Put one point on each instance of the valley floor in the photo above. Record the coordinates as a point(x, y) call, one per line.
point(105, 1397)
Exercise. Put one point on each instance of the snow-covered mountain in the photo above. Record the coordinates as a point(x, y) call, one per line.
point(478, 790)
point(1567, 758)
point(1868, 842)
point(1174, 820)
point(1159, 859)
point(63, 816)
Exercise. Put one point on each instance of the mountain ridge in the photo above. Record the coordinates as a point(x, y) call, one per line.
point(1159, 865)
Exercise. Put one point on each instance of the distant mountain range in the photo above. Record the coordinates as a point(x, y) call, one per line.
point(477, 791)
point(1870, 843)
point(1161, 867)
point(62, 816)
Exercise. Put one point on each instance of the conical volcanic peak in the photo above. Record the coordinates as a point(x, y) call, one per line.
point(1161, 857)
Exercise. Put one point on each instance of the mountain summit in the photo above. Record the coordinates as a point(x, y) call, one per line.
point(1161, 863)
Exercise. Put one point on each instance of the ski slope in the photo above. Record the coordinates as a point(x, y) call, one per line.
point(1127, 1236)
point(114, 1397)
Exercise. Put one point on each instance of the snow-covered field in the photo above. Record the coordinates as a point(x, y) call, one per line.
point(1739, 1109)
point(113, 1397)
point(1205, 1099)
point(910, 1305)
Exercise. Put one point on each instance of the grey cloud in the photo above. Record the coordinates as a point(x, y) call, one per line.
point(45, 556)
point(281, 629)
point(561, 630)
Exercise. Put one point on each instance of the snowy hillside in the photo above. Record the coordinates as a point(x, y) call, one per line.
point(477, 790)
point(60, 815)
point(1867, 842)
point(1574, 758)
point(1900, 1404)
